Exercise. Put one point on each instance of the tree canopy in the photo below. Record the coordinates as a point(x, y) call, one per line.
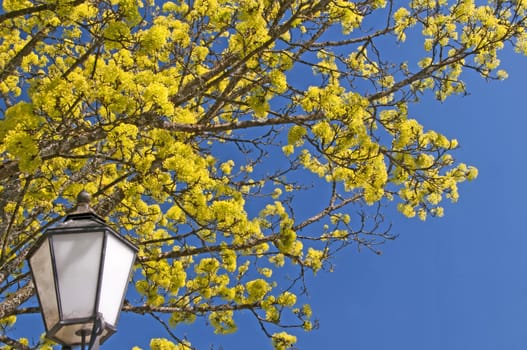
point(201, 128)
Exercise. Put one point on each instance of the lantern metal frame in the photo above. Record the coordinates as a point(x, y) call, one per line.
point(92, 328)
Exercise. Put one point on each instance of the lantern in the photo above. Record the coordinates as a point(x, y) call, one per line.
point(81, 269)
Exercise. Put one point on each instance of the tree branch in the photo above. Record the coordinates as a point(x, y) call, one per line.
point(246, 124)
point(34, 9)
point(16, 299)
point(208, 249)
point(197, 309)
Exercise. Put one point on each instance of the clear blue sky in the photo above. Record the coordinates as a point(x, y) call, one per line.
point(459, 282)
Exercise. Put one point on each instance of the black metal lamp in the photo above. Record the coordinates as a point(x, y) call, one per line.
point(81, 269)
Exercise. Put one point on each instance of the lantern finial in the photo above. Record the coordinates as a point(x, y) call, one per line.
point(83, 203)
point(84, 197)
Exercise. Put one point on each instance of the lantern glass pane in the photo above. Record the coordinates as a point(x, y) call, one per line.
point(118, 262)
point(78, 257)
point(40, 263)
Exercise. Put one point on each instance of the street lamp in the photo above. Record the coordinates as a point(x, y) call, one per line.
point(81, 269)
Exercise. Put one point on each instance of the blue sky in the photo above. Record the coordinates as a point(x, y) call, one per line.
point(458, 282)
point(452, 283)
